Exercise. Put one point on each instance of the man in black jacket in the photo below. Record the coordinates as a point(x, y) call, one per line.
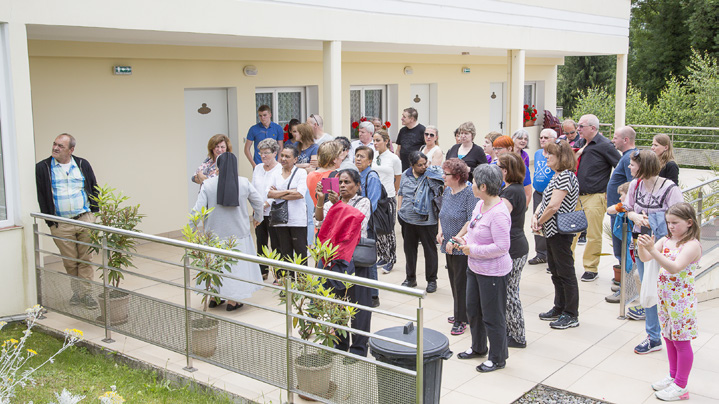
point(64, 186)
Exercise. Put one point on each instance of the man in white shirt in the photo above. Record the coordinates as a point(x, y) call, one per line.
point(317, 124)
point(365, 131)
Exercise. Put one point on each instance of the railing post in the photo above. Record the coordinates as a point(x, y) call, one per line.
point(188, 330)
point(700, 206)
point(623, 275)
point(38, 278)
point(105, 290)
point(420, 355)
point(288, 330)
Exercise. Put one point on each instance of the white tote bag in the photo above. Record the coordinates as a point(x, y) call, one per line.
point(648, 295)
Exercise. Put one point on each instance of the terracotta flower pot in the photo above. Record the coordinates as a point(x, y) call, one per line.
point(530, 122)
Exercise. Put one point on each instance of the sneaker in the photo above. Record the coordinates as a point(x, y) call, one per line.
point(614, 288)
point(582, 240)
point(75, 300)
point(537, 260)
point(663, 384)
point(565, 321)
point(589, 276)
point(551, 315)
point(636, 313)
point(387, 268)
point(409, 284)
point(458, 328)
point(375, 301)
point(648, 346)
point(431, 287)
point(614, 297)
point(89, 302)
point(381, 263)
point(450, 320)
point(673, 393)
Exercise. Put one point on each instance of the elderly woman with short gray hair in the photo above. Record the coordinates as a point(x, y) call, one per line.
point(261, 178)
point(485, 240)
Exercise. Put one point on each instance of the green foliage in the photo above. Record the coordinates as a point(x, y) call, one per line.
point(91, 375)
point(214, 265)
point(703, 82)
point(595, 101)
point(704, 25)
point(328, 311)
point(581, 73)
point(112, 214)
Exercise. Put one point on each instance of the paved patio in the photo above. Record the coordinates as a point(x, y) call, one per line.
point(595, 359)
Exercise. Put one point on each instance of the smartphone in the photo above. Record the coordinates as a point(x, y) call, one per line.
point(645, 230)
point(453, 241)
point(330, 184)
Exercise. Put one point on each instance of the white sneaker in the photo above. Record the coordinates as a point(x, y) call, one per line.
point(663, 384)
point(673, 393)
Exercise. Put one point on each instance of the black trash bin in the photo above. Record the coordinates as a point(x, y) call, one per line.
point(436, 348)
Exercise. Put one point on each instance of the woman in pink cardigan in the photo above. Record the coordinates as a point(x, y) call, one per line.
point(485, 240)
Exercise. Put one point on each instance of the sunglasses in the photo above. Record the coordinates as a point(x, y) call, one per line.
point(475, 220)
point(379, 161)
point(570, 133)
point(313, 117)
point(430, 134)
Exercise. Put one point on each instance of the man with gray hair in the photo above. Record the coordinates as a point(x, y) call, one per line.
point(542, 175)
point(365, 131)
point(66, 187)
point(317, 124)
point(595, 166)
point(623, 140)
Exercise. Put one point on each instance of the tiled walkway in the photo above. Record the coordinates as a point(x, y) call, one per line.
point(595, 359)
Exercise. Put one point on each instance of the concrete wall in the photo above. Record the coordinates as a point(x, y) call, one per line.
point(132, 128)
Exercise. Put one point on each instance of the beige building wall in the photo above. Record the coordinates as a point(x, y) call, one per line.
point(132, 128)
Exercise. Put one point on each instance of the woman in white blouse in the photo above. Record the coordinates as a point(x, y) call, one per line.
point(431, 149)
point(389, 168)
point(290, 184)
point(261, 178)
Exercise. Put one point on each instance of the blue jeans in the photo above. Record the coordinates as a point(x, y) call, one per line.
point(373, 275)
point(652, 321)
point(616, 242)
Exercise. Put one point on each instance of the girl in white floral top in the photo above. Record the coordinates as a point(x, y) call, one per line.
point(678, 254)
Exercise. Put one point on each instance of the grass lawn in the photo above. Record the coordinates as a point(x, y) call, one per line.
point(83, 373)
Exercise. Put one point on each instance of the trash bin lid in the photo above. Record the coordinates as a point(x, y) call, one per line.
point(435, 343)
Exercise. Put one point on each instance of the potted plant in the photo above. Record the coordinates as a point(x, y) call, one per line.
point(530, 115)
point(204, 330)
point(314, 368)
point(111, 213)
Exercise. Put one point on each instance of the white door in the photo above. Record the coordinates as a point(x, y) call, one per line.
point(496, 108)
point(205, 116)
point(420, 100)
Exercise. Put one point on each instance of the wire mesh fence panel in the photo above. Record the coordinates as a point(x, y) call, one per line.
point(257, 353)
point(329, 377)
point(57, 295)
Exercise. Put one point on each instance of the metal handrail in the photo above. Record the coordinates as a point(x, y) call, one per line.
point(188, 288)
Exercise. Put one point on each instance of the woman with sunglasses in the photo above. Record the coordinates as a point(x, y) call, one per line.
point(431, 146)
point(458, 202)
point(472, 154)
point(512, 194)
point(560, 196)
point(521, 139)
point(485, 240)
point(389, 168)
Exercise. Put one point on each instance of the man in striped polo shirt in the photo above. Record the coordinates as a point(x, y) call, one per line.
point(64, 186)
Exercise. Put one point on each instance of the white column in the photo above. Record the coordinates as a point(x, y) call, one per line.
point(19, 289)
point(515, 79)
point(620, 107)
point(332, 86)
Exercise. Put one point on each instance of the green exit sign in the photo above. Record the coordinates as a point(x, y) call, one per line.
point(123, 69)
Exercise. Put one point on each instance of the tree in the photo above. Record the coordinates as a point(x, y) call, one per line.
point(704, 26)
point(579, 74)
point(658, 38)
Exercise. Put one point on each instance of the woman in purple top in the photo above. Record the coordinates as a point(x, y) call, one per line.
point(485, 240)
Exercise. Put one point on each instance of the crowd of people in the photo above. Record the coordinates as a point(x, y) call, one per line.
point(472, 201)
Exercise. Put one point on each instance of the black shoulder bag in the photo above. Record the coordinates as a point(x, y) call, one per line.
point(279, 213)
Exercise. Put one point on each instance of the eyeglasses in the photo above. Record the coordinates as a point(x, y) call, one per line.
point(544, 137)
point(267, 153)
point(475, 220)
point(580, 126)
point(315, 118)
point(430, 134)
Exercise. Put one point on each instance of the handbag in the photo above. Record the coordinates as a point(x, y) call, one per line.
point(365, 254)
point(648, 295)
point(279, 211)
point(572, 222)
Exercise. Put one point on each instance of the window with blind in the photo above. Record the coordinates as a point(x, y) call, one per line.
point(367, 101)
